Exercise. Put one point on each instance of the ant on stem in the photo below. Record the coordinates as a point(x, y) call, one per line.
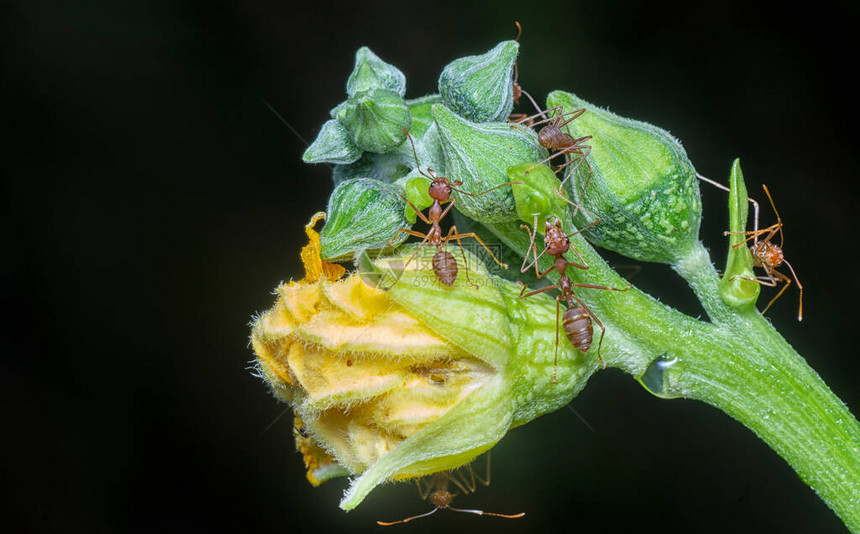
point(765, 254)
point(577, 318)
point(441, 496)
point(444, 264)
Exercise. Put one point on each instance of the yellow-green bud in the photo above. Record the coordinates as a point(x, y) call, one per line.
point(480, 88)
point(479, 154)
point(375, 119)
point(418, 379)
point(640, 183)
point(332, 145)
point(363, 214)
point(370, 72)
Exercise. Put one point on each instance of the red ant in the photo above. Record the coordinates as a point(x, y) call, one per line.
point(551, 137)
point(444, 264)
point(441, 496)
point(576, 319)
point(765, 254)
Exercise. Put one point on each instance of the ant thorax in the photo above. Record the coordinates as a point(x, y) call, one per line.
point(767, 255)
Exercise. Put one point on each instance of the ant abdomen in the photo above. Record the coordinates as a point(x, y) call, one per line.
point(550, 136)
point(445, 267)
point(577, 327)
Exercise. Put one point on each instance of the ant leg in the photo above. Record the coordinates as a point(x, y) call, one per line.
point(405, 231)
point(412, 257)
point(800, 287)
point(523, 293)
point(533, 247)
point(423, 217)
point(786, 282)
point(479, 240)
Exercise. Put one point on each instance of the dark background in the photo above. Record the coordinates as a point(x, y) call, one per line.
point(152, 202)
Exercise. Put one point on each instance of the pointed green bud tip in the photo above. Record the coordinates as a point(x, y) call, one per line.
point(639, 181)
point(370, 72)
point(479, 154)
point(736, 286)
point(480, 88)
point(332, 145)
point(375, 119)
point(362, 214)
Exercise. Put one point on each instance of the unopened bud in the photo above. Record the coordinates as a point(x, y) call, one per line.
point(480, 88)
point(638, 180)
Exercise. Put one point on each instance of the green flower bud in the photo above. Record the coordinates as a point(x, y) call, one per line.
point(736, 291)
point(370, 72)
point(362, 214)
point(480, 88)
point(642, 185)
point(375, 119)
point(397, 163)
point(332, 145)
point(418, 379)
point(479, 154)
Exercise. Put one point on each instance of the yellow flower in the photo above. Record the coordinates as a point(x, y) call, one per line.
point(406, 382)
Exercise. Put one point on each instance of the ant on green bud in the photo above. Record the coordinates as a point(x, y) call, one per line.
point(765, 254)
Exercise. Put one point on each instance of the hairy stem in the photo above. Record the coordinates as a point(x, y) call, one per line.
point(737, 363)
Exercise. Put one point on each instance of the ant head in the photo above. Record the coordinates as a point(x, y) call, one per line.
point(441, 498)
point(440, 189)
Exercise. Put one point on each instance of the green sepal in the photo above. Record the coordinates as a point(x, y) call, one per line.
point(480, 88)
point(370, 72)
point(735, 290)
point(640, 182)
point(332, 145)
point(362, 214)
point(479, 154)
point(536, 196)
point(375, 119)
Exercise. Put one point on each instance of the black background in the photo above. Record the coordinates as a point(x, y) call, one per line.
point(152, 202)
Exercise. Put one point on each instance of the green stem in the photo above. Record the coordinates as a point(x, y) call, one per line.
point(738, 363)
